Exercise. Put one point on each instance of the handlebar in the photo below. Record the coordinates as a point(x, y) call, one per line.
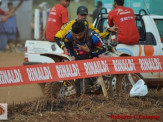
point(113, 40)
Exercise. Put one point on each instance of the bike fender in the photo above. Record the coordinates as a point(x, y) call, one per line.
point(122, 53)
point(51, 55)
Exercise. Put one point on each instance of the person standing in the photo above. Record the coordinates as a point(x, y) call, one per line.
point(5, 24)
point(123, 18)
point(2, 12)
point(58, 16)
point(97, 10)
point(8, 14)
point(11, 29)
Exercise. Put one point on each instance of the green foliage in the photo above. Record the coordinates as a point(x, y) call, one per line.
point(54, 2)
point(50, 2)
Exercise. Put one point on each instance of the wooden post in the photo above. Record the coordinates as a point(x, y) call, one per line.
point(103, 86)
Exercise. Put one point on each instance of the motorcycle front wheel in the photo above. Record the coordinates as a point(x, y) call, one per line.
point(121, 84)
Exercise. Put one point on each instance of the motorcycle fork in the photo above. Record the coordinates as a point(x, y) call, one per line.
point(131, 79)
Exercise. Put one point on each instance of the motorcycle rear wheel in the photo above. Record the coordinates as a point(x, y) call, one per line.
point(57, 90)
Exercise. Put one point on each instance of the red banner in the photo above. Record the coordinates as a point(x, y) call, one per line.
point(29, 74)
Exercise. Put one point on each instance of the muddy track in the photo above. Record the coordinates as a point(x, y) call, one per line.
point(31, 106)
point(17, 94)
point(91, 108)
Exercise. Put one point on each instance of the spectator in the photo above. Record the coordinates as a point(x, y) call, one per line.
point(97, 10)
point(11, 29)
point(2, 12)
point(8, 14)
point(123, 18)
point(7, 28)
point(58, 16)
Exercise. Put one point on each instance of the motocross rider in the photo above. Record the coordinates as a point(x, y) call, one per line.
point(82, 13)
point(83, 43)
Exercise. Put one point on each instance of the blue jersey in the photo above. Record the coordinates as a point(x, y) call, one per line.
point(94, 42)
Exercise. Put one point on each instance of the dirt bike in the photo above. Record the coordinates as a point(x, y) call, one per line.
point(114, 84)
point(64, 89)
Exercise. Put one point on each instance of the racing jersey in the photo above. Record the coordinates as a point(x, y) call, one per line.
point(94, 43)
point(58, 16)
point(2, 12)
point(124, 19)
point(60, 34)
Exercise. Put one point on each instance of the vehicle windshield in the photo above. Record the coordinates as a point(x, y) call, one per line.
point(159, 24)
